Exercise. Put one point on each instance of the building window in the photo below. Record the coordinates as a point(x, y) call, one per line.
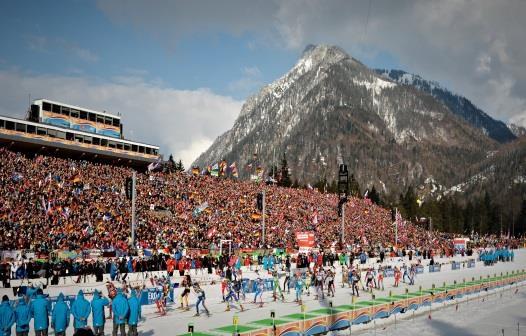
point(41, 131)
point(75, 113)
point(65, 111)
point(56, 108)
point(116, 122)
point(21, 127)
point(100, 119)
point(92, 117)
point(31, 129)
point(96, 141)
point(46, 106)
point(83, 115)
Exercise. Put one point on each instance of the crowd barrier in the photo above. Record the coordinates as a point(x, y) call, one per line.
point(325, 320)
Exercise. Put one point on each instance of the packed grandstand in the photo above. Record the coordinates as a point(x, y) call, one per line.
point(49, 203)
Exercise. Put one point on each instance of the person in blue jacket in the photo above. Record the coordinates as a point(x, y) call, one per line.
point(114, 271)
point(60, 316)
point(40, 308)
point(134, 315)
point(80, 309)
point(97, 309)
point(7, 317)
point(22, 317)
point(120, 313)
point(31, 292)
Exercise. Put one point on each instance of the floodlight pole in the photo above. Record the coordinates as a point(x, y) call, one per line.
point(134, 196)
point(263, 233)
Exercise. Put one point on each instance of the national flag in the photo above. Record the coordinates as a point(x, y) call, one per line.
point(215, 170)
point(211, 232)
point(222, 167)
point(233, 170)
point(195, 171)
point(315, 217)
point(200, 209)
point(398, 218)
point(154, 165)
point(256, 216)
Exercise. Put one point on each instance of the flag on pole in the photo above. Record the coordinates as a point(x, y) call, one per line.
point(315, 217)
point(222, 167)
point(233, 170)
point(154, 165)
point(215, 170)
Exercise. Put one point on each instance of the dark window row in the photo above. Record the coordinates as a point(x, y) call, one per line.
point(80, 114)
point(32, 129)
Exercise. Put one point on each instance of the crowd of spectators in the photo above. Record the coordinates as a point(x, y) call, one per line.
point(49, 203)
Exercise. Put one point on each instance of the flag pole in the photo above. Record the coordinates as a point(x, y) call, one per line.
point(263, 236)
point(134, 196)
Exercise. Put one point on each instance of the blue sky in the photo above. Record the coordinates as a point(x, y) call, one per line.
point(77, 38)
point(186, 67)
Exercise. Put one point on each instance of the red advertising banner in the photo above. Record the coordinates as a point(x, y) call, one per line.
point(305, 239)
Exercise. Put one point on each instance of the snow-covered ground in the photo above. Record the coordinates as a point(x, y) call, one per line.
point(472, 318)
point(501, 312)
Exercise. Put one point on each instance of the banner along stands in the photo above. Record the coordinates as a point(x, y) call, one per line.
point(460, 243)
point(305, 241)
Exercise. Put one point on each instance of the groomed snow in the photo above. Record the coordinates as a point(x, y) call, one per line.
point(176, 321)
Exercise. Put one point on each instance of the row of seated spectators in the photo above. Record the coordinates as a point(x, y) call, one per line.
point(49, 203)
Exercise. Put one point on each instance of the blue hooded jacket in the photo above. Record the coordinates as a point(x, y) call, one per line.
point(40, 308)
point(129, 265)
point(97, 308)
point(31, 292)
point(60, 315)
point(113, 270)
point(7, 318)
point(120, 308)
point(80, 310)
point(22, 316)
point(135, 309)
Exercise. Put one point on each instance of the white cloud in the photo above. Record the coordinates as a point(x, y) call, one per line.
point(484, 64)
point(249, 82)
point(252, 71)
point(47, 45)
point(84, 54)
point(182, 122)
point(441, 40)
point(519, 119)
